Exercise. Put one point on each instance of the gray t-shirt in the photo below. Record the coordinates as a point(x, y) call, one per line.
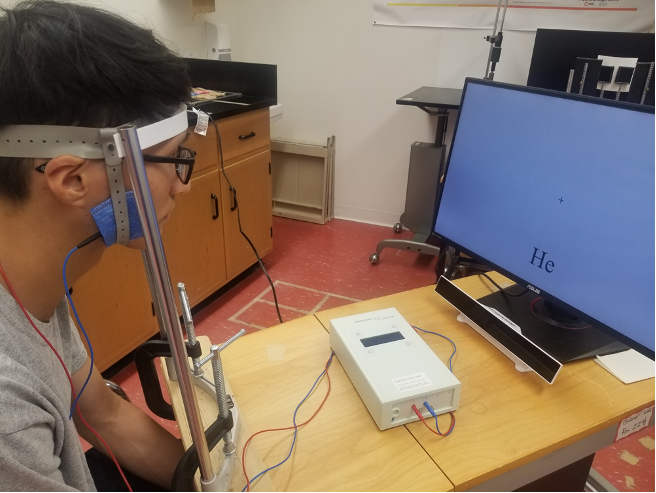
point(39, 446)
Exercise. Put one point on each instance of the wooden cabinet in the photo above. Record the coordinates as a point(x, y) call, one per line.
point(202, 242)
point(252, 180)
point(200, 265)
point(114, 304)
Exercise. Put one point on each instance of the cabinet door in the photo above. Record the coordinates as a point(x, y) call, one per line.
point(193, 239)
point(114, 304)
point(252, 180)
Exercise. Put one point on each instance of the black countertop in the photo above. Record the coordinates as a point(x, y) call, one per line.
point(433, 97)
point(229, 107)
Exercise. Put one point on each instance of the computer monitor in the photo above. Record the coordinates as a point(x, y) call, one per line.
point(556, 191)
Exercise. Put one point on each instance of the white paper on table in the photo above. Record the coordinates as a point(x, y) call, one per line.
point(628, 366)
point(616, 62)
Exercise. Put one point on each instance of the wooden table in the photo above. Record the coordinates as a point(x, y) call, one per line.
point(270, 372)
point(511, 429)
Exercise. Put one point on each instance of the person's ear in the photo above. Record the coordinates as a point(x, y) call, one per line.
point(74, 181)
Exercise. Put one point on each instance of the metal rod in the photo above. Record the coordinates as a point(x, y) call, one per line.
point(442, 121)
point(491, 40)
point(220, 347)
point(153, 294)
point(221, 398)
point(164, 291)
point(496, 19)
point(189, 325)
point(503, 18)
point(231, 340)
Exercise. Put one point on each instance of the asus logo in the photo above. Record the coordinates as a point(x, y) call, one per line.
point(535, 290)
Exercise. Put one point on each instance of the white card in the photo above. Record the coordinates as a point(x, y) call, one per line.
point(628, 366)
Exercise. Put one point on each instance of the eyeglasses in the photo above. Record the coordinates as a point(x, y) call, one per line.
point(184, 163)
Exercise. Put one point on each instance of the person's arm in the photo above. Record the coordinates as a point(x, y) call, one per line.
point(139, 443)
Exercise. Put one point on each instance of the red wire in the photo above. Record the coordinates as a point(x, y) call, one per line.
point(68, 375)
point(243, 454)
point(453, 422)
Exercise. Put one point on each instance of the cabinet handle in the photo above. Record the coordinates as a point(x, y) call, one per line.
point(234, 199)
point(247, 136)
point(216, 206)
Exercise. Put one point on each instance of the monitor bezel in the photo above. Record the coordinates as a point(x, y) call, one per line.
point(479, 258)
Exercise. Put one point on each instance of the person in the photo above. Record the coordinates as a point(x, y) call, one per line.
point(68, 67)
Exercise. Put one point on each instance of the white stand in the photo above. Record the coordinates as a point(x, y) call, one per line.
point(519, 365)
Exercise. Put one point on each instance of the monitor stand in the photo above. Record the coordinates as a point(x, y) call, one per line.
point(564, 344)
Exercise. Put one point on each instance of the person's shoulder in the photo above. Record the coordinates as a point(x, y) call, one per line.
point(22, 398)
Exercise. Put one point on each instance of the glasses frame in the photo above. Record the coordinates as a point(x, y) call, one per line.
point(175, 160)
point(158, 159)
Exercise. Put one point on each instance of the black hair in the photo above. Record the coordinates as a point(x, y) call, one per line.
point(68, 64)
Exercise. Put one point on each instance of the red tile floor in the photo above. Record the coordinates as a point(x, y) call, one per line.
point(318, 267)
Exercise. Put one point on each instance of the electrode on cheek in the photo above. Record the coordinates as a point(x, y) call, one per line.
point(103, 215)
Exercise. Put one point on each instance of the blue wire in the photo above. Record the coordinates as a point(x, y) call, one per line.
point(445, 337)
point(294, 421)
point(70, 301)
point(430, 410)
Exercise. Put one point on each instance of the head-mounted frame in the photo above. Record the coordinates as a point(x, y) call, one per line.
point(49, 141)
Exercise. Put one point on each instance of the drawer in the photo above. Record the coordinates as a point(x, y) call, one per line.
point(244, 133)
point(207, 153)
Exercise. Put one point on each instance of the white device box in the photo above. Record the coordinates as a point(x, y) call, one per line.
point(392, 368)
point(217, 37)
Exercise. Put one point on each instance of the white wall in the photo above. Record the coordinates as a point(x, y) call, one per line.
point(340, 75)
point(170, 19)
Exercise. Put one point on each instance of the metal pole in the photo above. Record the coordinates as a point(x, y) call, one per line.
point(503, 18)
point(164, 291)
point(189, 326)
point(153, 293)
point(491, 39)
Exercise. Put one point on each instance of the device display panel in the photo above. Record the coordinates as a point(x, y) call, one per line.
point(381, 339)
point(551, 190)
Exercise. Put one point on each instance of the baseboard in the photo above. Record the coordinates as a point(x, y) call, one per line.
point(368, 216)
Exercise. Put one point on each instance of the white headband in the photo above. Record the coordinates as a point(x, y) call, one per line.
point(48, 141)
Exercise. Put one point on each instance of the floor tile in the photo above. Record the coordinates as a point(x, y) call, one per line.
point(294, 296)
point(335, 301)
point(262, 315)
point(629, 464)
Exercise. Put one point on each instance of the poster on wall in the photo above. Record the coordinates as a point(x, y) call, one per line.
point(521, 15)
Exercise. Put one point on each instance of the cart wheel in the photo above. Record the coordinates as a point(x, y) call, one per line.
point(373, 258)
point(398, 227)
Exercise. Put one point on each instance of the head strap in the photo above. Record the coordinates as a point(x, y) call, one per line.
point(49, 141)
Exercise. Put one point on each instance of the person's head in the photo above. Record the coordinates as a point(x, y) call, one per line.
point(71, 65)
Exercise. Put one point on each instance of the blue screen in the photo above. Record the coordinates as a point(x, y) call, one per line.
point(559, 193)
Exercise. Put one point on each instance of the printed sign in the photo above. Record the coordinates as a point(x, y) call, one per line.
point(634, 423)
point(522, 15)
point(412, 382)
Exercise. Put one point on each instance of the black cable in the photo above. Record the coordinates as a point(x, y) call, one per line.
point(438, 262)
point(90, 239)
point(505, 292)
point(234, 194)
